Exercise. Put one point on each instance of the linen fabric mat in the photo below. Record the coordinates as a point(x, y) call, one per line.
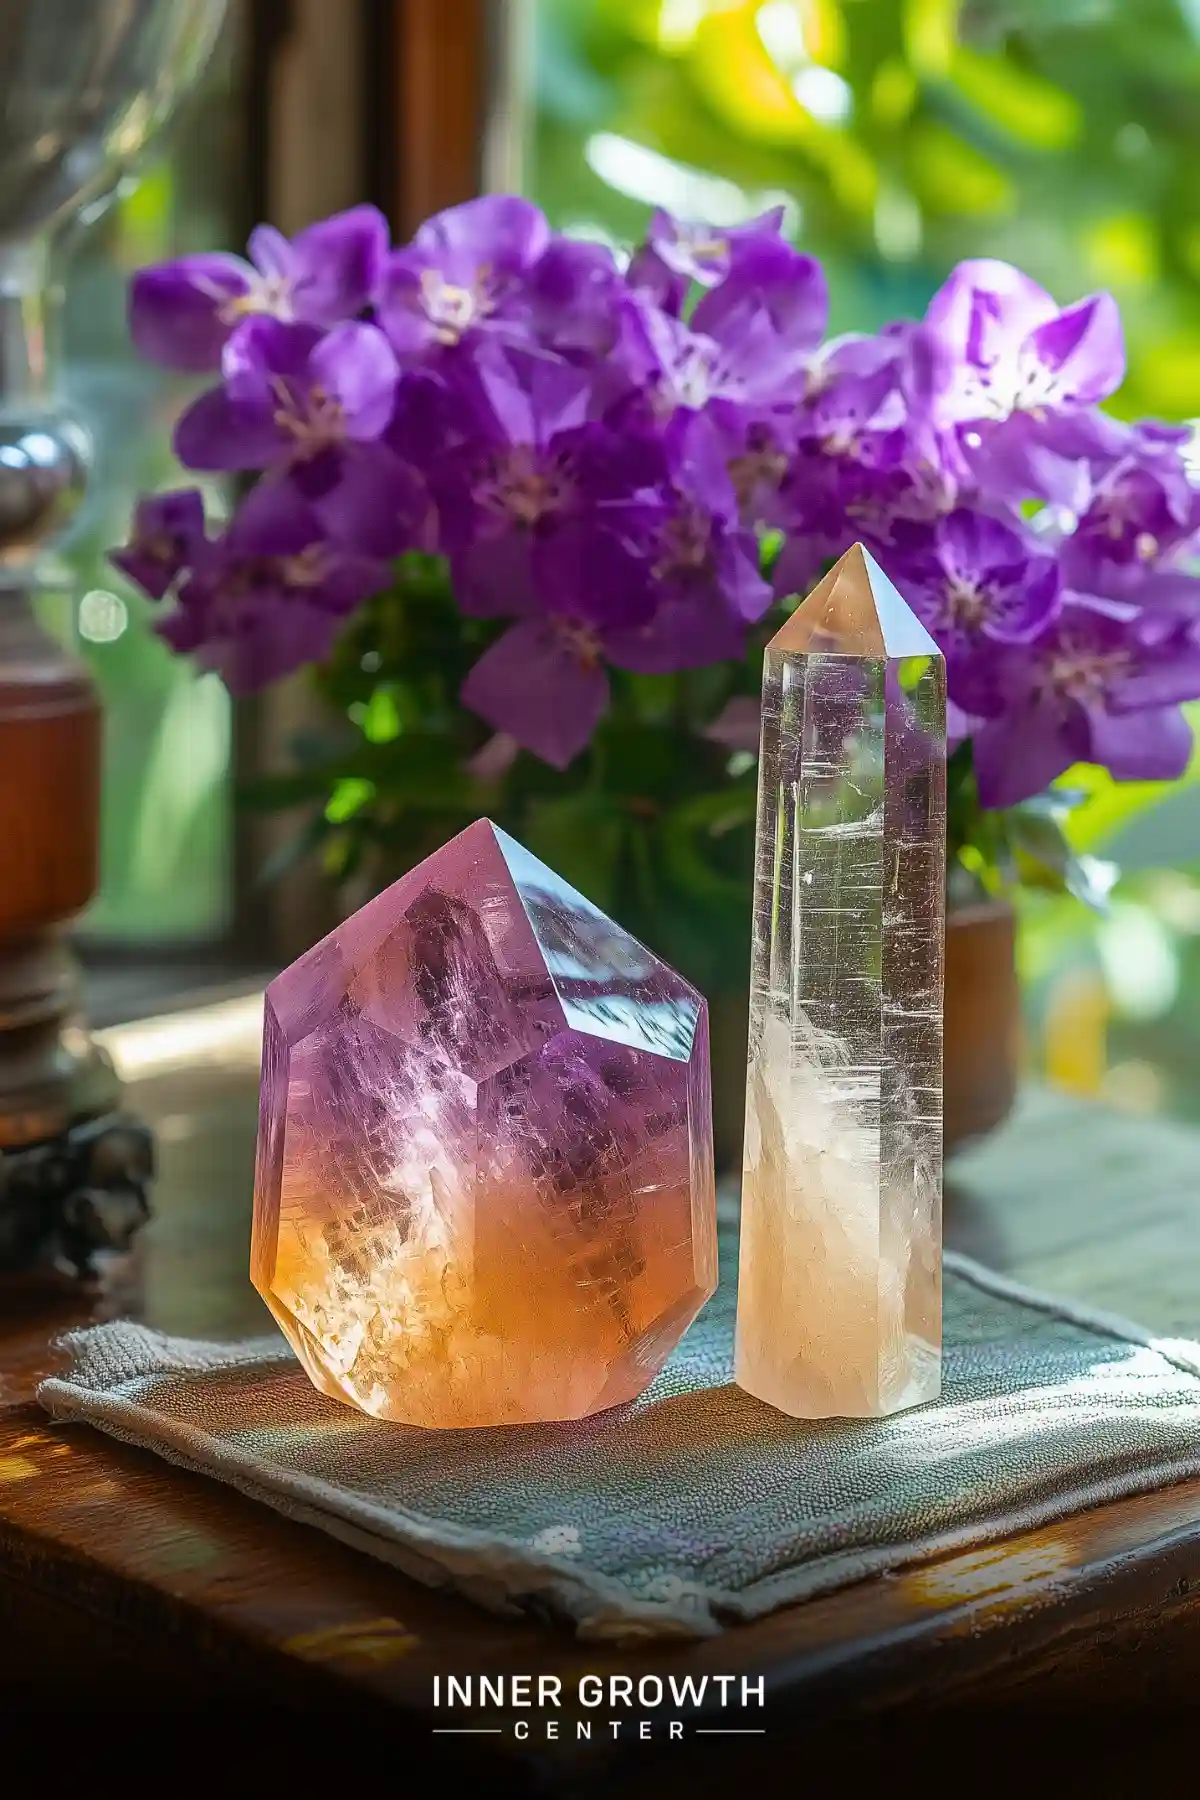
point(697, 1506)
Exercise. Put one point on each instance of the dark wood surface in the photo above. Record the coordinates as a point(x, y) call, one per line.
point(116, 1569)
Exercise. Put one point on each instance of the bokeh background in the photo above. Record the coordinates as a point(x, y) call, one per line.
point(902, 136)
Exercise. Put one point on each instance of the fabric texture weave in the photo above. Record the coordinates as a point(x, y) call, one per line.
point(697, 1506)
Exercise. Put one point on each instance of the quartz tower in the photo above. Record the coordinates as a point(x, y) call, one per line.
point(839, 1308)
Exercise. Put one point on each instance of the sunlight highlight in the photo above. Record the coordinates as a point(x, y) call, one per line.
point(228, 1033)
point(646, 175)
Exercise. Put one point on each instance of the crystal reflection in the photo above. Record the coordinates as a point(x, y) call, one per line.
point(607, 983)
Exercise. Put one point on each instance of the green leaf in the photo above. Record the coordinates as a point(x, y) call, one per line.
point(350, 795)
point(1045, 859)
point(690, 837)
point(419, 769)
point(381, 717)
point(1032, 109)
point(1042, 850)
point(1108, 806)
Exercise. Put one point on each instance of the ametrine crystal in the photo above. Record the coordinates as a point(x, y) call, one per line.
point(839, 1308)
point(484, 1185)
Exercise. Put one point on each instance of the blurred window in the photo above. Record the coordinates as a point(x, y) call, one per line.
point(166, 877)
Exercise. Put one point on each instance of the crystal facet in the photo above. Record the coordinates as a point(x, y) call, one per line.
point(839, 1294)
point(484, 1186)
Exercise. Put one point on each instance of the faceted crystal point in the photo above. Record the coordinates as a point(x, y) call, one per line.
point(484, 1185)
point(839, 1289)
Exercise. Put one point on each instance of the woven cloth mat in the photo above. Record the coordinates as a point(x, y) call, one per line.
point(697, 1506)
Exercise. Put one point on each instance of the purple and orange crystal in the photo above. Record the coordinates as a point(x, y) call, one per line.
point(484, 1185)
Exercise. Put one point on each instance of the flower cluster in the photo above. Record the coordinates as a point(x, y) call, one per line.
point(628, 466)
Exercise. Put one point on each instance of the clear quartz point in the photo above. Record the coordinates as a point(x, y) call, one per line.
point(839, 1294)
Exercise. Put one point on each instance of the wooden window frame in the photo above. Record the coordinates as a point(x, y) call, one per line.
point(414, 105)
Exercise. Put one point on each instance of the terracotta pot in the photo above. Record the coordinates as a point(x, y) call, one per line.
point(982, 1035)
point(983, 1021)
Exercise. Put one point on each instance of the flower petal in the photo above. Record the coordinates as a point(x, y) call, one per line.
point(499, 232)
point(1084, 349)
point(271, 253)
point(1019, 755)
point(738, 724)
point(532, 685)
point(1153, 745)
point(379, 504)
point(984, 306)
point(168, 537)
point(594, 574)
point(249, 643)
point(357, 367)
point(526, 398)
point(175, 309)
point(264, 351)
point(687, 631)
point(338, 265)
point(272, 520)
point(768, 273)
point(493, 575)
point(216, 432)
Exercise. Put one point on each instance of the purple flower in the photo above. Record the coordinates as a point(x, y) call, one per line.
point(168, 536)
point(678, 252)
point(749, 341)
point(768, 277)
point(829, 502)
point(738, 725)
point(707, 589)
point(1020, 378)
point(598, 454)
point(291, 398)
point(272, 593)
point(652, 583)
point(858, 416)
point(1134, 515)
point(759, 461)
point(542, 683)
point(1102, 684)
point(975, 581)
point(542, 506)
point(463, 269)
point(866, 454)
point(1163, 592)
point(1007, 347)
point(575, 302)
point(181, 313)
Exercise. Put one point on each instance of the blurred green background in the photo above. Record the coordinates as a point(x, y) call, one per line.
point(902, 135)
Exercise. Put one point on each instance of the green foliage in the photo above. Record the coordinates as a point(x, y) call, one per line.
point(648, 822)
point(1060, 136)
point(654, 822)
point(1028, 846)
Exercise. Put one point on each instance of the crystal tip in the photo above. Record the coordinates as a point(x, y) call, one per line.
point(855, 610)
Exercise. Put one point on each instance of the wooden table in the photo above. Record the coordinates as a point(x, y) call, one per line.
point(122, 1577)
